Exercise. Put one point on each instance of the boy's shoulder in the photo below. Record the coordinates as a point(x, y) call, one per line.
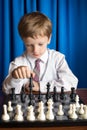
point(54, 53)
point(20, 59)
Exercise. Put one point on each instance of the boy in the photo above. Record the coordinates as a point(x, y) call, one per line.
point(35, 30)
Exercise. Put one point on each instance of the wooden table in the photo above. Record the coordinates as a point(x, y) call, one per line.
point(83, 95)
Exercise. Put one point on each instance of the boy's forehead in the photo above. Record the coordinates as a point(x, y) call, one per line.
point(38, 37)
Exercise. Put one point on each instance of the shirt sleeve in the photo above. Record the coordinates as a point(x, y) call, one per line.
point(11, 82)
point(65, 78)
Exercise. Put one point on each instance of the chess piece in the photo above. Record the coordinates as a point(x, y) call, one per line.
point(73, 94)
point(31, 94)
point(30, 115)
point(81, 110)
point(73, 115)
point(49, 114)
point(5, 116)
point(62, 94)
point(13, 95)
point(55, 95)
point(84, 116)
point(48, 91)
point(60, 111)
point(40, 97)
point(77, 101)
point(19, 113)
point(23, 95)
point(10, 108)
point(70, 110)
point(41, 115)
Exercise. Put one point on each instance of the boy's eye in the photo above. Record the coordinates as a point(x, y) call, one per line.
point(29, 45)
point(40, 44)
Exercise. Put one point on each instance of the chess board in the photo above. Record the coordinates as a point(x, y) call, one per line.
point(25, 100)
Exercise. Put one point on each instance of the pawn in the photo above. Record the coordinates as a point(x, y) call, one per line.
point(30, 115)
point(60, 110)
point(19, 113)
point(5, 116)
point(18, 109)
point(41, 115)
point(70, 110)
point(73, 115)
point(77, 101)
point(49, 114)
point(55, 95)
point(40, 106)
point(81, 110)
point(84, 116)
point(10, 108)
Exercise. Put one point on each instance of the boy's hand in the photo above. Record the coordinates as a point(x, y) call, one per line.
point(22, 72)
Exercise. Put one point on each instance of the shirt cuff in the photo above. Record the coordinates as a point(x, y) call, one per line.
point(17, 84)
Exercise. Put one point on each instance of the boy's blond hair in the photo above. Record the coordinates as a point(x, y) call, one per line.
point(34, 24)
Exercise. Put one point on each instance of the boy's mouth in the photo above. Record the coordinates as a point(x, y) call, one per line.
point(36, 55)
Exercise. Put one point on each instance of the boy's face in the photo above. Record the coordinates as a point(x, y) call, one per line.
point(37, 46)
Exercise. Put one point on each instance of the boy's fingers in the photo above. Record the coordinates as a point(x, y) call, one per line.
point(24, 72)
point(15, 74)
point(27, 72)
point(20, 74)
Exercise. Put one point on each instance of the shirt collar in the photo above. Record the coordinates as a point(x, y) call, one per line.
point(44, 57)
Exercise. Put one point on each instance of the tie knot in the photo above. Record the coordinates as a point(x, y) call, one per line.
point(37, 61)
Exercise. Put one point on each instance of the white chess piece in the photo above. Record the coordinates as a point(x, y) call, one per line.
point(77, 101)
point(70, 110)
point(84, 116)
point(41, 115)
point(10, 108)
point(81, 110)
point(40, 104)
point(49, 114)
point(18, 109)
point(60, 110)
point(5, 116)
point(19, 114)
point(73, 115)
point(30, 115)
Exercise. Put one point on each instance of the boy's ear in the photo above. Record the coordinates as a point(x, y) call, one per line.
point(49, 39)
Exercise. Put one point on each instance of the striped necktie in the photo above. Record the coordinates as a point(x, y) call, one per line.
point(37, 70)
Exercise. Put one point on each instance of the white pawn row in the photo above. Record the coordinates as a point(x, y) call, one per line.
point(49, 115)
point(74, 111)
point(5, 115)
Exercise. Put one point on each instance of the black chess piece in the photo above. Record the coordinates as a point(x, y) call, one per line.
point(23, 95)
point(62, 94)
point(55, 95)
point(48, 91)
point(30, 87)
point(73, 94)
point(40, 96)
point(13, 95)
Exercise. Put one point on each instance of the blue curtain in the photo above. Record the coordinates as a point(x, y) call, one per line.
point(69, 34)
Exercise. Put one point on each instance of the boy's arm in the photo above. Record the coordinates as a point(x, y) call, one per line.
point(65, 78)
point(11, 82)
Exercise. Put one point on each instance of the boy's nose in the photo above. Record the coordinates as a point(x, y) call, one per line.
point(35, 49)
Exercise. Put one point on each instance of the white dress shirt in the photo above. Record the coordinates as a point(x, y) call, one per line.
point(54, 69)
